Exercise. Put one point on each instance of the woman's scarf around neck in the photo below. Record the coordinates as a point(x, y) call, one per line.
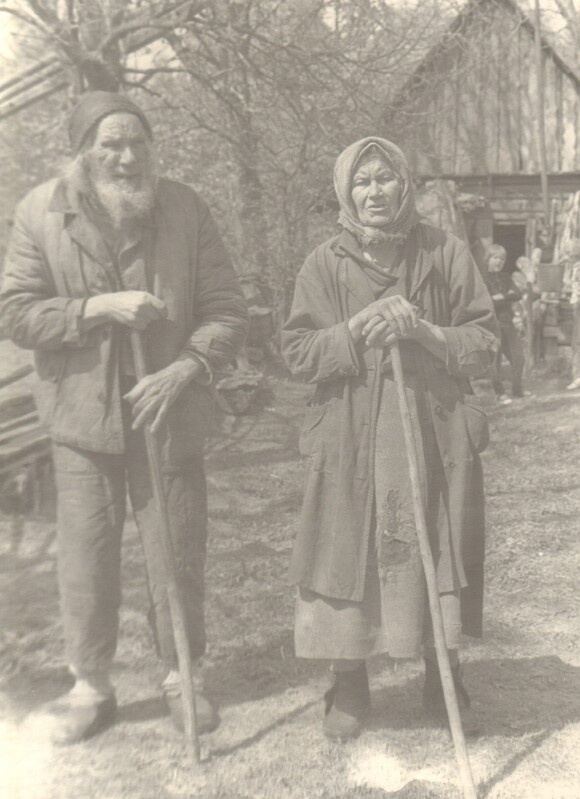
point(381, 278)
point(344, 169)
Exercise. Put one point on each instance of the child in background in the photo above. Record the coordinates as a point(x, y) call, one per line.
point(504, 293)
point(526, 274)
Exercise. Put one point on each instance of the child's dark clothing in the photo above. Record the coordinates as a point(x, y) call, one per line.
point(502, 283)
point(511, 344)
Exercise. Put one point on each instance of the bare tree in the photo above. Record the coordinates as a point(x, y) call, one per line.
point(569, 12)
point(268, 91)
point(92, 38)
point(284, 87)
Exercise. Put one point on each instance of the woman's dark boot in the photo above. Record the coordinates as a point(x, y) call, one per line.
point(348, 703)
point(434, 700)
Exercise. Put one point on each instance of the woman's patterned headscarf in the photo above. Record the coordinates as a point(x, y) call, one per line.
point(344, 169)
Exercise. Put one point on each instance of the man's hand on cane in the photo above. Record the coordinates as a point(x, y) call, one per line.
point(132, 308)
point(152, 397)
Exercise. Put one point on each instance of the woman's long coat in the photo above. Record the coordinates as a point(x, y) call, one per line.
point(330, 552)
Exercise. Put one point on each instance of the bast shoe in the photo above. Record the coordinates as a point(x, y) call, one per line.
point(73, 721)
point(575, 384)
point(206, 715)
point(503, 399)
point(434, 701)
point(347, 704)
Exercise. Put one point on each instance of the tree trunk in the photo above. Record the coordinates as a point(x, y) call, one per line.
point(98, 70)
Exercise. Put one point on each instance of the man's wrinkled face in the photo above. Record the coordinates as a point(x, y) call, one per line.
point(120, 153)
point(119, 167)
point(375, 193)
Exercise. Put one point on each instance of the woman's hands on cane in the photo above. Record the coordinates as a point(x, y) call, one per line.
point(391, 319)
point(385, 321)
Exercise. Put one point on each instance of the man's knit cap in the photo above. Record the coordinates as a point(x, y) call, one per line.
point(92, 107)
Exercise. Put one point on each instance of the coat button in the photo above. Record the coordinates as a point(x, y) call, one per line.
point(438, 410)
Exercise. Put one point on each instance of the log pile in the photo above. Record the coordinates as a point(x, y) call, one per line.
point(25, 456)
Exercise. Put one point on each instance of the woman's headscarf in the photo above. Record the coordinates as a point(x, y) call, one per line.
point(344, 169)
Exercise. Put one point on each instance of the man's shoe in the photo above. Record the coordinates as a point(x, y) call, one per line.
point(206, 714)
point(503, 399)
point(348, 703)
point(75, 721)
point(434, 700)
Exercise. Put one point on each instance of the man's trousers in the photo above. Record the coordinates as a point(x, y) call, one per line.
point(91, 497)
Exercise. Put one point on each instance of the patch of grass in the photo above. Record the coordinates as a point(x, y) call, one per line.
point(524, 676)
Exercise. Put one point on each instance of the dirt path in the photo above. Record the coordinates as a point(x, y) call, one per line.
point(524, 675)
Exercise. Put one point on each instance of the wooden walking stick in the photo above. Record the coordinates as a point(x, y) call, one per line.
point(449, 693)
point(176, 606)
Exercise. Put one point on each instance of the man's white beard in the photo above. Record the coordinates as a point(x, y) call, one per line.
point(121, 202)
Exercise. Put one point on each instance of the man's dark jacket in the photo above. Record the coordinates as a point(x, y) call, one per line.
point(57, 259)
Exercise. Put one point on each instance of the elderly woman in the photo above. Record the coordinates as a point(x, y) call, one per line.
point(386, 277)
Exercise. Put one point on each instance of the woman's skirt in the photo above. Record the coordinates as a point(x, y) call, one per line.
point(393, 616)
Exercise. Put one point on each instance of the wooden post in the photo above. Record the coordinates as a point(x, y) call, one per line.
point(467, 784)
point(541, 118)
point(176, 605)
point(530, 354)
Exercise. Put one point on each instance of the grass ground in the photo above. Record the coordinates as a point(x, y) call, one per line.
point(524, 675)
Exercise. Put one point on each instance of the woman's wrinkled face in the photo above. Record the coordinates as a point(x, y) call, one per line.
point(375, 193)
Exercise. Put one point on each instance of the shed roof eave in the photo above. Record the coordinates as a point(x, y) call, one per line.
point(462, 17)
point(496, 176)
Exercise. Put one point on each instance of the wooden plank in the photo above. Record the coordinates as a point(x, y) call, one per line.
point(49, 71)
point(559, 120)
point(15, 407)
point(21, 431)
point(26, 459)
point(18, 374)
point(15, 106)
point(18, 422)
point(34, 68)
point(516, 135)
point(36, 442)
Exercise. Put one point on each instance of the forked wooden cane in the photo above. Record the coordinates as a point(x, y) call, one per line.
point(176, 606)
point(467, 784)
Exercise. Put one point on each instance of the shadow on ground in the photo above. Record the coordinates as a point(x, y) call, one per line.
point(251, 674)
point(513, 697)
point(416, 789)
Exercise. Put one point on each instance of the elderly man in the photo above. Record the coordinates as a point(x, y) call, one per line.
point(110, 247)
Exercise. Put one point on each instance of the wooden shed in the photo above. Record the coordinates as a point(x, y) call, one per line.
point(469, 113)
